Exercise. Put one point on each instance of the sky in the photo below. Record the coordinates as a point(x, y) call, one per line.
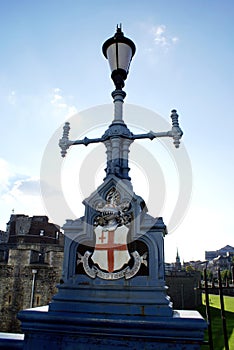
point(53, 70)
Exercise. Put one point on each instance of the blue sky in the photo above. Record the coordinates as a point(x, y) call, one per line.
point(52, 67)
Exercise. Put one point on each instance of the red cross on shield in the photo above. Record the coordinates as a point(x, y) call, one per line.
point(111, 251)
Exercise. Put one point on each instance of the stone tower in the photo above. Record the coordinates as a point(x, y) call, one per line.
point(31, 255)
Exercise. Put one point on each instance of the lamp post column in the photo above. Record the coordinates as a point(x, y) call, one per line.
point(33, 287)
point(118, 96)
point(125, 149)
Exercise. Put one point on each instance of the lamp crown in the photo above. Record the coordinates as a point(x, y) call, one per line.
point(119, 27)
point(119, 51)
point(119, 33)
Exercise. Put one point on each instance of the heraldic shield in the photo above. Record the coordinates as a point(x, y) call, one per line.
point(110, 258)
point(111, 250)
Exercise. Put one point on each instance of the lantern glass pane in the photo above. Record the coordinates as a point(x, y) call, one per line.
point(123, 60)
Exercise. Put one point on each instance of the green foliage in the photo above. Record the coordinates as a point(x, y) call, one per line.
point(189, 268)
point(226, 275)
point(209, 274)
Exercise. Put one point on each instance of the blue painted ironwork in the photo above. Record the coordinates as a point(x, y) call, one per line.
point(118, 165)
point(100, 303)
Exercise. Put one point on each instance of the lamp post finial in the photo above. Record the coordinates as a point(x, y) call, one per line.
point(119, 27)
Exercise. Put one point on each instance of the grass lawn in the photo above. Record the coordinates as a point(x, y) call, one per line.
point(216, 321)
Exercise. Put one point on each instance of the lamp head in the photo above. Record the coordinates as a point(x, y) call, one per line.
point(119, 51)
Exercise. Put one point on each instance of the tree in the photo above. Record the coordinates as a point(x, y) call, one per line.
point(226, 275)
point(189, 268)
point(209, 275)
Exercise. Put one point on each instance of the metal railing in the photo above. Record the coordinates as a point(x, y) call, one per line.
point(210, 290)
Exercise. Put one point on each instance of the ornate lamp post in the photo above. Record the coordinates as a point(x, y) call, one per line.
point(119, 51)
point(113, 291)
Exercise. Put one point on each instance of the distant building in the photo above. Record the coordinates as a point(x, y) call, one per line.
point(174, 266)
point(225, 251)
point(3, 236)
point(178, 263)
point(220, 259)
point(31, 255)
point(210, 255)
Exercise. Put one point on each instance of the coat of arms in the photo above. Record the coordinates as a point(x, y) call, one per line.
point(110, 258)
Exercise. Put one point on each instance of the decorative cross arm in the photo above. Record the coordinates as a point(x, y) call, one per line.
point(65, 143)
point(176, 133)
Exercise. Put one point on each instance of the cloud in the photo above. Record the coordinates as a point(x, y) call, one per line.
point(20, 192)
point(29, 187)
point(162, 38)
point(11, 181)
point(55, 99)
point(22, 187)
point(59, 102)
point(156, 40)
point(24, 197)
point(11, 98)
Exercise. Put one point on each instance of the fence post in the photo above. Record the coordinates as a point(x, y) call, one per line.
point(208, 316)
point(223, 311)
